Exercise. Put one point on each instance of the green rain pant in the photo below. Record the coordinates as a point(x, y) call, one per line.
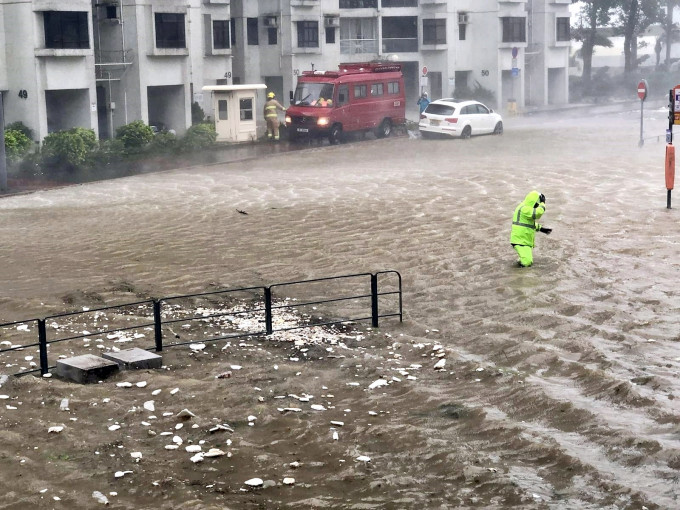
point(526, 257)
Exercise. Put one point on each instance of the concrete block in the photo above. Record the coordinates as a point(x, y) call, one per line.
point(135, 359)
point(87, 368)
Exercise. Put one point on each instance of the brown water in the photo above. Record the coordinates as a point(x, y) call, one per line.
point(575, 406)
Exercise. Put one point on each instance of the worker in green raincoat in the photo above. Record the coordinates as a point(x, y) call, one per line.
point(525, 224)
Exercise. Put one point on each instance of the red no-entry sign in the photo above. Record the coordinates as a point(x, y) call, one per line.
point(424, 70)
point(642, 90)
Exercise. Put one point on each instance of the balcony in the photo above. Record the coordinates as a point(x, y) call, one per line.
point(354, 46)
point(304, 3)
point(400, 45)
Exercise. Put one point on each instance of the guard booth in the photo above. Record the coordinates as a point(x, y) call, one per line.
point(236, 111)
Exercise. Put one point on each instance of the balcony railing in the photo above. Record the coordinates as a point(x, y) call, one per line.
point(353, 46)
point(400, 45)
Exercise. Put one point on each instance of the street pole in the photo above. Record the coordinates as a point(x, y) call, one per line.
point(3, 159)
point(642, 116)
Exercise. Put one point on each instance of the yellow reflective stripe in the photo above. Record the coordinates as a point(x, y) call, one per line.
point(520, 224)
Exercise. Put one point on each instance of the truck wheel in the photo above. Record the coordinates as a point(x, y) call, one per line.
point(384, 129)
point(335, 136)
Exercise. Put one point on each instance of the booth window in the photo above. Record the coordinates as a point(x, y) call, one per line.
point(308, 34)
point(170, 30)
point(221, 34)
point(246, 107)
point(66, 30)
point(222, 112)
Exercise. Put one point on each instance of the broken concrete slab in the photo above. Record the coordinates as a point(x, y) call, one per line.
point(87, 368)
point(135, 358)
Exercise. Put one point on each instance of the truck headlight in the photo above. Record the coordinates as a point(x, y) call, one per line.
point(288, 119)
point(323, 121)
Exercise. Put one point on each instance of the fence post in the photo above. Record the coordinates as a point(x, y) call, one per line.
point(268, 310)
point(42, 345)
point(374, 300)
point(158, 330)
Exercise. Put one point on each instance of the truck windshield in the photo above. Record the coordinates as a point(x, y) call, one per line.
point(314, 94)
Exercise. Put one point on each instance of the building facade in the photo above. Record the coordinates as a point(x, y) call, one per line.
point(101, 64)
point(516, 49)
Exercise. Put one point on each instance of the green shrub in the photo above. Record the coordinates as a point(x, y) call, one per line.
point(134, 135)
point(477, 93)
point(70, 149)
point(164, 142)
point(17, 144)
point(20, 126)
point(199, 137)
point(197, 113)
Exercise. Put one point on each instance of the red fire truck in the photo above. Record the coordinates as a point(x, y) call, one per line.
point(357, 97)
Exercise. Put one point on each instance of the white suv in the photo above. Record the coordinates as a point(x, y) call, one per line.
point(459, 118)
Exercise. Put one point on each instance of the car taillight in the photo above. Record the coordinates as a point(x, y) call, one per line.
point(422, 116)
point(452, 120)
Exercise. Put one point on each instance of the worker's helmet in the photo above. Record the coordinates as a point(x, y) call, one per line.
point(424, 94)
point(271, 95)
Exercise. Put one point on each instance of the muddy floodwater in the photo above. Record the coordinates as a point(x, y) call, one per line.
point(561, 381)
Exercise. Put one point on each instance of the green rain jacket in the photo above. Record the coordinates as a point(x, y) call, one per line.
point(524, 220)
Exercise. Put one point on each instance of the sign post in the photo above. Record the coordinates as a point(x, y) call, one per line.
point(673, 119)
point(642, 94)
point(3, 159)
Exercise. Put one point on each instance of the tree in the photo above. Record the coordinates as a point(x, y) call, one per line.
point(635, 16)
point(593, 15)
point(670, 30)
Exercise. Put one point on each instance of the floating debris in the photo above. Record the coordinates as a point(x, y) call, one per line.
point(197, 458)
point(114, 427)
point(149, 405)
point(377, 384)
point(121, 474)
point(55, 430)
point(136, 455)
point(440, 364)
point(193, 448)
point(100, 498)
point(124, 384)
point(288, 481)
point(363, 458)
point(318, 407)
point(186, 414)
point(254, 482)
point(214, 452)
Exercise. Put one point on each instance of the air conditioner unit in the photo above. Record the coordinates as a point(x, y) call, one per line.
point(463, 18)
point(331, 21)
point(271, 21)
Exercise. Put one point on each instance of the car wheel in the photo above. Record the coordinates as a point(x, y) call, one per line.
point(498, 130)
point(335, 136)
point(384, 129)
point(467, 133)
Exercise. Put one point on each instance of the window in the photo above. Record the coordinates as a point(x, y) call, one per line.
point(562, 30)
point(220, 34)
point(377, 89)
point(359, 91)
point(393, 87)
point(170, 30)
point(272, 36)
point(514, 29)
point(400, 33)
point(253, 39)
point(308, 34)
point(400, 3)
point(246, 108)
point(222, 111)
point(330, 35)
point(462, 30)
point(343, 95)
point(232, 31)
point(66, 30)
point(434, 31)
point(358, 4)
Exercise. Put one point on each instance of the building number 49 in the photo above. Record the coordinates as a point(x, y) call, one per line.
point(23, 94)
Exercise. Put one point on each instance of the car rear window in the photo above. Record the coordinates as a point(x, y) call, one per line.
point(439, 109)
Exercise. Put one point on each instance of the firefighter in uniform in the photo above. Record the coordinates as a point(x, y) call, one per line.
point(525, 225)
point(272, 118)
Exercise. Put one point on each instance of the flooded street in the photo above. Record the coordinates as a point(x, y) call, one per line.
point(562, 380)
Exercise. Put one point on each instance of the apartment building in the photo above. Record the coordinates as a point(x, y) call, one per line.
point(101, 64)
point(518, 49)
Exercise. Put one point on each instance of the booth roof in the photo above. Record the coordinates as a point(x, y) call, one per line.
point(246, 86)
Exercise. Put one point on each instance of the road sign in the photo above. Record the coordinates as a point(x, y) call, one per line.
point(515, 50)
point(424, 70)
point(642, 90)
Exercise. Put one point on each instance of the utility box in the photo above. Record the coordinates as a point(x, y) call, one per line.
point(236, 111)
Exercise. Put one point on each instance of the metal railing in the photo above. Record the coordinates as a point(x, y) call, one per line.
point(148, 314)
point(354, 46)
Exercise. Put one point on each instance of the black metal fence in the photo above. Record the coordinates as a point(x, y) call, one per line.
point(268, 304)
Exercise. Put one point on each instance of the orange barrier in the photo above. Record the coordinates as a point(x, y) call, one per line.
point(670, 166)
